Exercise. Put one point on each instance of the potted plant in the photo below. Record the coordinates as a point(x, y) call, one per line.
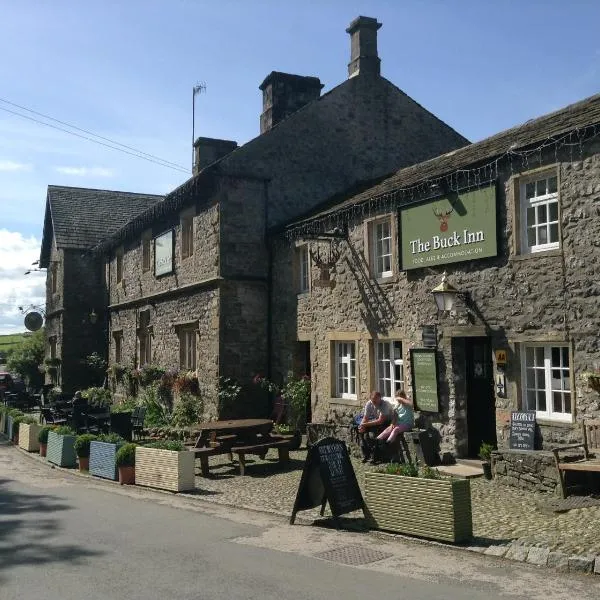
point(82, 449)
point(16, 423)
point(11, 414)
point(43, 438)
point(125, 460)
point(61, 447)
point(29, 431)
point(165, 465)
point(485, 454)
point(404, 499)
point(103, 452)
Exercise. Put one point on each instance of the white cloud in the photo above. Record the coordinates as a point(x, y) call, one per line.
point(85, 171)
point(17, 289)
point(11, 165)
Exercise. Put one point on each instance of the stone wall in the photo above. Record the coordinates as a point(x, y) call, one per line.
point(532, 471)
point(536, 298)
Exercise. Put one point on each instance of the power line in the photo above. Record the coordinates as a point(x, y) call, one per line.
point(134, 152)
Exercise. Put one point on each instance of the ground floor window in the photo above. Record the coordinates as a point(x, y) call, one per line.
point(547, 381)
point(145, 338)
point(345, 369)
point(187, 349)
point(389, 368)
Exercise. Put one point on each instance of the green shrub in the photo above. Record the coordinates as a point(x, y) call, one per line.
point(485, 451)
point(22, 419)
point(126, 455)
point(82, 444)
point(64, 430)
point(167, 445)
point(157, 411)
point(283, 429)
point(229, 395)
point(110, 438)
point(429, 473)
point(127, 405)
point(43, 434)
point(98, 397)
point(188, 410)
point(404, 469)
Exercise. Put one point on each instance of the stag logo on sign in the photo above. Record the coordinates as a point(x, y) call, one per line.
point(443, 218)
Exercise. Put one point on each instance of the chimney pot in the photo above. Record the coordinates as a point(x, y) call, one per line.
point(363, 47)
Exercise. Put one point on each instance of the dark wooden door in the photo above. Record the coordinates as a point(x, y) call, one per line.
point(481, 403)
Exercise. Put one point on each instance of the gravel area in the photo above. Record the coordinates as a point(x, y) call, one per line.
point(501, 514)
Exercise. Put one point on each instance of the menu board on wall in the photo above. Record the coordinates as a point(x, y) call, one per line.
point(163, 253)
point(423, 362)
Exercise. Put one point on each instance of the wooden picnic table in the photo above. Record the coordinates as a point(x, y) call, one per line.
point(239, 431)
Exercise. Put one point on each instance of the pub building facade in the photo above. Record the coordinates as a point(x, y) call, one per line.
point(509, 227)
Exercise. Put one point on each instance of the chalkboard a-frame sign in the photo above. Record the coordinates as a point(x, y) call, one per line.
point(328, 476)
point(423, 363)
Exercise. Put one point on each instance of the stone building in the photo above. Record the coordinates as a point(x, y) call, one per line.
point(189, 280)
point(514, 222)
point(76, 219)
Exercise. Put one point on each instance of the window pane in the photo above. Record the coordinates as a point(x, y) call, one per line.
point(554, 232)
point(556, 357)
point(397, 351)
point(565, 357)
point(531, 401)
point(556, 379)
point(557, 402)
point(531, 240)
point(530, 215)
point(553, 208)
point(530, 190)
point(541, 187)
point(539, 357)
point(541, 379)
point(529, 358)
point(530, 378)
point(542, 235)
point(541, 216)
point(552, 183)
point(541, 401)
point(567, 400)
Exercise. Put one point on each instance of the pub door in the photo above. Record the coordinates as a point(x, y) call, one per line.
point(481, 401)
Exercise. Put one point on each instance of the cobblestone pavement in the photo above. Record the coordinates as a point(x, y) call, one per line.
point(501, 514)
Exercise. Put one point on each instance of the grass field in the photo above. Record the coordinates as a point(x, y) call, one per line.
point(12, 340)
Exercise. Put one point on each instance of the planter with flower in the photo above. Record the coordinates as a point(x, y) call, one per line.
point(165, 465)
point(405, 499)
point(43, 438)
point(82, 449)
point(485, 454)
point(103, 453)
point(11, 415)
point(29, 430)
point(61, 447)
point(125, 461)
point(16, 425)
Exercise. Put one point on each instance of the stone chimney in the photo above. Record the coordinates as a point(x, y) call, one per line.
point(284, 94)
point(363, 47)
point(208, 150)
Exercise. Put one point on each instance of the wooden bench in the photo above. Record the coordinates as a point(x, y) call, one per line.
point(590, 461)
point(212, 446)
point(260, 449)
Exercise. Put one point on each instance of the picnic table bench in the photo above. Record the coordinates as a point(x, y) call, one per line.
point(590, 461)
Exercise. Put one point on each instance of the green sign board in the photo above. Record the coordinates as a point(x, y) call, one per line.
point(424, 379)
point(453, 228)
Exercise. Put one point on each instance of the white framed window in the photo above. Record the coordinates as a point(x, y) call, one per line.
point(547, 381)
point(539, 214)
point(345, 370)
point(303, 270)
point(187, 348)
point(187, 236)
point(389, 368)
point(380, 248)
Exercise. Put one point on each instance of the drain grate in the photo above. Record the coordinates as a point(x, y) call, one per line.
point(353, 555)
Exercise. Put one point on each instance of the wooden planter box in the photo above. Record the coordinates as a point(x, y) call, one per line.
point(102, 460)
point(164, 469)
point(9, 426)
point(61, 450)
point(28, 437)
point(432, 508)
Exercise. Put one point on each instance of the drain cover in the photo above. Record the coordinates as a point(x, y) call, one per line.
point(353, 555)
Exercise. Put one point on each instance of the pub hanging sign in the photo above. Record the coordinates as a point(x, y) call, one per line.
point(453, 228)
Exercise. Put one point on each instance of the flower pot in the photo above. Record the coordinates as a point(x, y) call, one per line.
point(43, 449)
point(15, 438)
point(84, 463)
point(430, 508)
point(487, 469)
point(126, 475)
point(165, 469)
point(28, 436)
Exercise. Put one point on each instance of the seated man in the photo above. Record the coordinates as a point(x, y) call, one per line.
point(377, 416)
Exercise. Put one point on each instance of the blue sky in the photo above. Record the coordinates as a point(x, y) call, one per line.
point(125, 70)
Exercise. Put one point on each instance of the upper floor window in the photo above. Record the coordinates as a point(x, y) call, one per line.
point(146, 243)
point(119, 265)
point(389, 368)
point(303, 270)
point(547, 381)
point(187, 348)
point(380, 248)
point(539, 214)
point(187, 236)
point(345, 369)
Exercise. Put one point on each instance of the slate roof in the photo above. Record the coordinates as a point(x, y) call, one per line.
point(82, 217)
point(533, 132)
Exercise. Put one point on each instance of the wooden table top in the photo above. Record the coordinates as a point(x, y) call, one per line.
point(234, 425)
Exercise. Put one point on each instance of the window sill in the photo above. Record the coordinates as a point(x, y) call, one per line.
point(304, 294)
point(345, 401)
point(547, 422)
point(545, 253)
point(385, 280)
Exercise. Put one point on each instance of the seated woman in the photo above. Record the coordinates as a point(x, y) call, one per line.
point(402, 420)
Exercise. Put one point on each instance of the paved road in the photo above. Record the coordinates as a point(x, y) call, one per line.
point(62, 536)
